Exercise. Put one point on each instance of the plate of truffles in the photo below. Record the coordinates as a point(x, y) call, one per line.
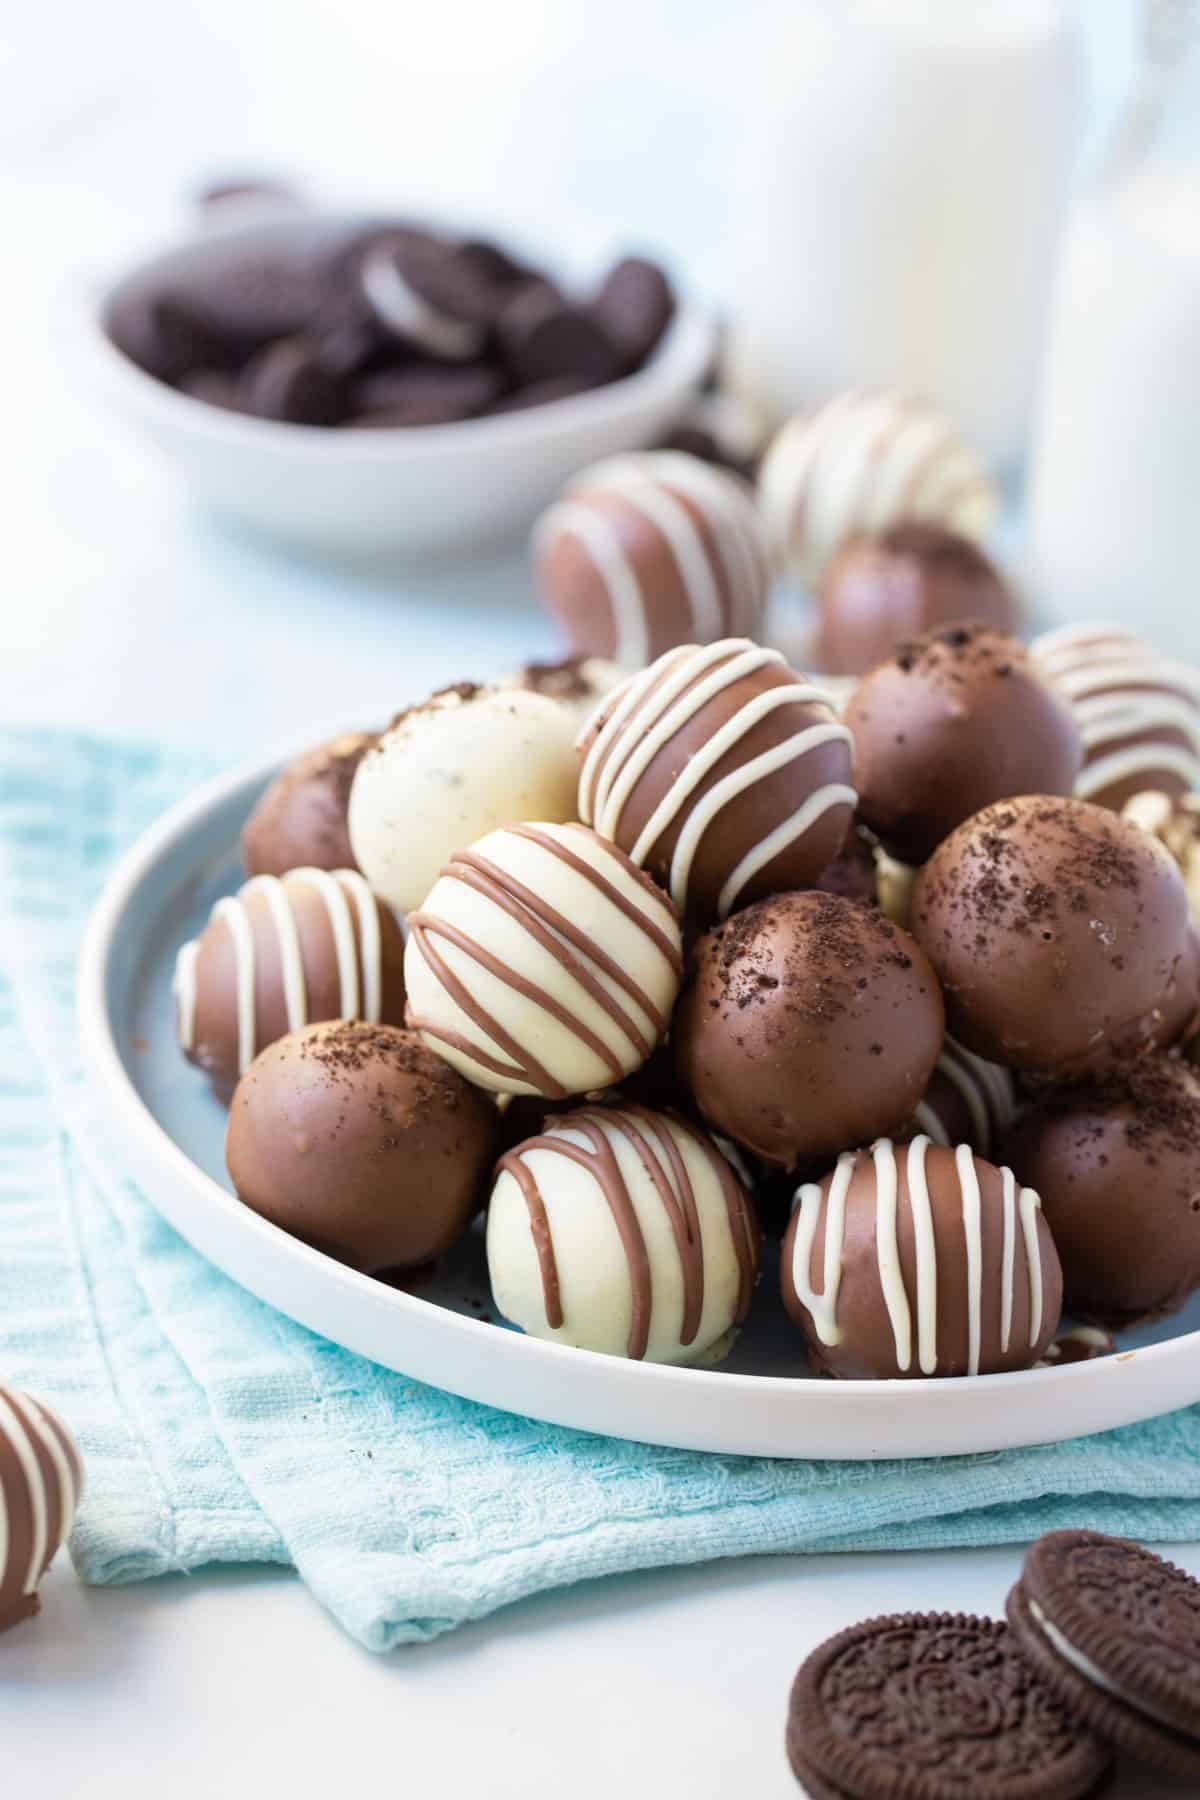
point(673, 1052)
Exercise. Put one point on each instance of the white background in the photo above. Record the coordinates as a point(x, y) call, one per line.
point(121, 610)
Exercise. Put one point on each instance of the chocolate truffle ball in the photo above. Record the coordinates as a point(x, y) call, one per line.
point(362, 1142)
point(722, 772)
point(578, 683)
point(860, 464)
point(645, 552)
point(1117, 1163)
point(625, 1231)
point(878, 592)
point(543, 962)
point(278, 955)
point(444, 773)
point(1056, 929)
point(300, 821)
point(953, 721)
point(913, 1260)
point(1139, 713)
point(968, 1101)
point(41, 1482)
point(809, 1024)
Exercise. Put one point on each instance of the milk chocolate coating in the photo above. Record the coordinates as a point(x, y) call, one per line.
point(215, 1044)
point(765, 802)
point(810, 1024)
point(363, 1143)
point(853, 873)
point(991, 1314)
point(300, 821)
point(1117, 1164)
point(953, 721)
point(1056, 929)
point(912, 578)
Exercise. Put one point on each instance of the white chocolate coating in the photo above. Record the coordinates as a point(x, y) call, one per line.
point(725, 584)
point(862, 462)
point(41, 1481)
point(450, 771)
point(543, 962)
point(1120, 689)
point(353, 916)
point(619, 756)
point(683, 1205)
point(821, 1304)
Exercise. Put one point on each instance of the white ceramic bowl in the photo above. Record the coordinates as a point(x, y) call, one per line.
point(760, 1403)
point(406, 491)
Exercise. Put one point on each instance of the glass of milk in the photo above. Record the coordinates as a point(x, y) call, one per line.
point(904, 179)
point(1115, 477)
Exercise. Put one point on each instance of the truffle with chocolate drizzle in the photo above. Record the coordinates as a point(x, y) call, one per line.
point(722, 772)
point(41, 1481)
point(543, 962)
point(915, 1260)
point(281, 954)
point(626, 1231)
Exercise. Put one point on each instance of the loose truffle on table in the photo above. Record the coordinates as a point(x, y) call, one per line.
point(1117, 1164)
point(914, 1260)
point(279, 954)
point(41, 1483)
point(362, 1142)
point(722, 772)
point(1138, 712)
point(809, 1024)
point(863, 462)
point(878, 592)
point(625, 1231)
point(953, 721)
point(543, 962)
point(1057, 931)
point(300, 821)
point(444, 773)
point(647, 551)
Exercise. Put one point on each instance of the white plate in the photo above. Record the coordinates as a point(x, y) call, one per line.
point(759, 1403)
point(359, 493)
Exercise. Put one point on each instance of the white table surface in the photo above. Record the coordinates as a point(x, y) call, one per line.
point(121, 610)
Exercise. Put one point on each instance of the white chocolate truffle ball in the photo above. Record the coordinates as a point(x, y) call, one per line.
point(543, 962)
point(576, 683)
point(446, 772)
point(625, 1231)
point(647, 551)
point(861, 463)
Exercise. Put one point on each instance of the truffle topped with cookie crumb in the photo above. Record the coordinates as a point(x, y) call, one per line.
point(362, 1142)
point(953, 721)
point(810, 1023)
point(1057, 931)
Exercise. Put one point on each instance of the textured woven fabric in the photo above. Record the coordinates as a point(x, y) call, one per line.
point(215, 1430)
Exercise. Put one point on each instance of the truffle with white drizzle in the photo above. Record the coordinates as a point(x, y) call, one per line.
point(41, 1482)
point(914, 1260)
point(623, 1230)
point(543, 962)
point(647, 551)
point(1138, 712)
point(280, 954)
point(865, 460)
point(722, 772)
point(968, 1101)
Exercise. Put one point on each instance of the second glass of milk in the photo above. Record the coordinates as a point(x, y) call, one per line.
point(903, 189)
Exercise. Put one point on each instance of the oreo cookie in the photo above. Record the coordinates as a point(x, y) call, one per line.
point(634, 306)
point(1115, 1632)
point(933, 1706)
point(288, 381)
point(542, 337)
point(423, 395)
point(424, 293)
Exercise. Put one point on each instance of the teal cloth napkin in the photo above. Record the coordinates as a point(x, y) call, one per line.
point(215, 1430)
